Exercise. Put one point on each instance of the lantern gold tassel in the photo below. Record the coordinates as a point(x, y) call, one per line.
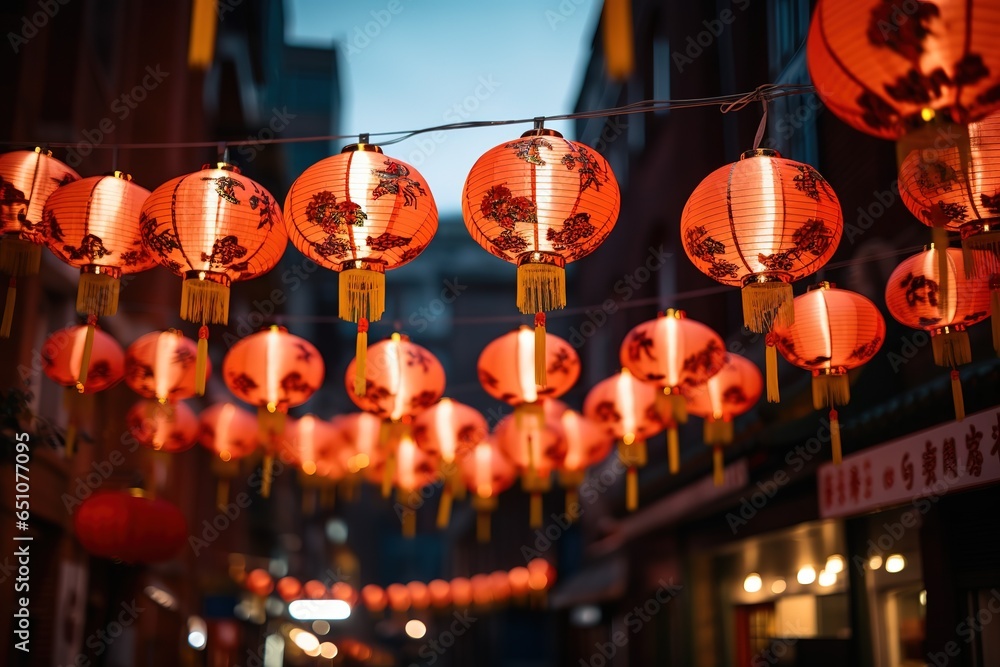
point(718, 431)
point(483, 526)
point(830, 389)
point(8, 308)
point(361, 356)
point(535, 519)
point(771, 368)
point(88, 349)
point(267, 475)
point(406, 502)
point(201, 361)
point(766, 302)
point(835, 437)
point(718, 466)
point(572, 504)
point(388, 474)
point(673, 449)
point(444, 507)
point(362, 294)
point(995, 310)
point(951, 347)
point(956, 394)
point(540, 375)
point(204, 301)
point(97, 293)
point(939, 241)
point(632, 489)
point(222, 493)
point(671, 405)
point(980, 252)
point(540, 287)
point(19, 257)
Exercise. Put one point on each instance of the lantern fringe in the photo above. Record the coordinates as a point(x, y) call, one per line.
point(267, 475)
point(19, 257)
point(718, 466)
point(388, 474)
point(361, 358)
point(835, 448)
point(444, 507)
point(830, 389)
point(222, 493)
point(771, 368)
point(97, 294)
point(673, 449)
point(631, 489)
point(951, 348)
point(995, 311)
point(270, 425)
point(483, 526)
point(572, 504)
point(956, 395)
point(939, 239)
point(204, 301)
point(981, 254)
point(88, 349)
point(766, 303)
point(541, 378)
point(362, 294)
point(535, 519)
point(8, 308)
point(201, 362)
point(718, 431)
point(540, 287)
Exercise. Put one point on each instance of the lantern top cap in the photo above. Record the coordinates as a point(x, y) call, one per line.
point(43, 151)
point(136, 492)
point(822, 285)
point(760, 152)
point(122, 175)
point(675, 313)
point(542, 132)
point(225, 166)
point(371, 148)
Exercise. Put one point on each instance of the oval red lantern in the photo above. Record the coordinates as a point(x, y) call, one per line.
point(535, 449)
point(884, 68)
point(506, 367)
point(915, 298)
point(359, 445)
point(835, 330)
point(311, 444)
point(259, 582)
point(361, 213)
point(440, 592)
point(587, 444)
point(341, 590)
point(128, 526)
point(374, 598)
point(461, 592)
point(500, 583)
point(420, 595)
point(403, 379)
point(162, 365)
point(727, 394)
point(168, 428)
point(399, 597)
point(519, 578)
point(315, 590)
point(289, 588)
point(482, 590)
point(486, 472)
point(407, 468)
point(27, 179)
point(230, 433)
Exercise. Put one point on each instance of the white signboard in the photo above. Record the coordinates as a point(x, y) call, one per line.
point(946, 458)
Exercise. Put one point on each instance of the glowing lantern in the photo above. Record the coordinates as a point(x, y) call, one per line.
point(259, 582)
point(761, 223)
point(449, 430)
point(420, 596)
point(289, 588)
point(506, 367)
point(914, 297)
point(461, 592)
point(409, 469)
point(518, 578)
point(440, 592)
point(673, 353)
point(212, 227)
point(27, 179)
point(500, 583)
point(64, 362)
point(727, 394)
point(128, 526)
point(359, 445)
point(273, 370)
point(536, 450)
point(311, 444)
point(482, 590)
point(361, 213)
point(341, 590)
point(403, 379)
point(399, 597)
point(229, 432)
point(541, 575)
point(626, 409)
point(315, 590)
point(883, 68)
point(486, 472)
point(374, 598)
point(540, 202)
point(587, 444)
point(165, 428)
point(161, 365)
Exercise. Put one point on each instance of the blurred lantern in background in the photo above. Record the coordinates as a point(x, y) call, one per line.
point(408, 469)
point(727, 394)
point(129, 526)
point(440, 592)
point(626, 409)
point(536, 449)
point(63, 362)
point(487, 473)
point(288, 588)
point(674, 354)
point(161, 365)
point(361, 213)
point(311, 444)
point(359, 445)
point(27, 179)
point(916, 299)
point(374, 598)
point(274, 371)
point(399, 597)
point(540, 202)
point(169, 428)
point(212, 227)
point(259, 582)
point(835, 331)
point(587, 444)
point(760, 224)
point(229, 432)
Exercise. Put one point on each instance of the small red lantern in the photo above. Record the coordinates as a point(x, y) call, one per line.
point(128, 526)
point(486, 472)
point(399, 597)
point(361, 213)
point(169, 428)
point(229, 432)
point(519, 578)
point(482, 590)
point(289, 588)
point(27, 179)
point(440, 592)
point(315, 590)
point(915, 297)
point(359, 445)
point(420, 595)
point(161, 365)
point(341, 590)
point(506, 367)
point(403, 379)
point(259, 582)
point(374, 598)
point(408, 469)
point(587, 444)
point(500, 583)
point(461, 592)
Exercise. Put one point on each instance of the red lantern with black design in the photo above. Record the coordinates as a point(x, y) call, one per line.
point(835, 331)
point(170, 428)
point(915, 298)
point(311, 444)
point(587, 444)
point(129, 526)
point(540, 202)
point(212, 227)
point(162, 365)
point(486, 472)
point(230, 433)
point(535, 449)
point(361, 213)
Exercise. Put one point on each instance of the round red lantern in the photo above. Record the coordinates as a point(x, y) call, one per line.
point(440, 592)
point(361, 213)
point(835, 330)
point(311, 444)
point(673, 353)
point(374, 598)
point(518, 578)
point(162, 365)
point(482, 590)
point(399, 597)
point(27, 179)
point(407, 468)
point(540, 202)
point(587, 444)
point(212, 227)
point(170, 428)
point(403, 379)
point(289, 588)
point(461, 592)
point(759, 224)
point(229, 432)
point(315, 590)
point(128, 526)
point(535, 449)
point(626, 409)
point(915, 297)
point(259, 582)
point(420, 595)
point(341, 590)
point(486, 472)
point(359, 445)
point(506, 367)
point(884, 68)
point(727, 394)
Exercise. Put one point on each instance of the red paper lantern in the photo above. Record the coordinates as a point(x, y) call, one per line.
point(420, 596)
point(587, 444)
point(162, 365)
point(835, 330)
point(461, 592)
point(259, 582)
point(482, 590)
point(402, 379)
point(884, 67)
point(27, 179)
point(169, 428)
point(540, 202)
point(486, 472)
point(440, 592)
point(374, 598)
point(519, 577)
point(361, 213)
point(230, 433)
point(127, 526)
point(341, 590)
point(727, 394)
point(212, 227)
point(915, 297)
point(312, 445)
point(507, 367)
point(359, 445)
point(399, 597)
point(315, 590)
point(626, 409)
point(761, 223)
point(289, 588)
point(407, 468)
point(535, 449)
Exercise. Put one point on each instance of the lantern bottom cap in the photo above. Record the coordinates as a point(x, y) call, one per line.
point(19, 257)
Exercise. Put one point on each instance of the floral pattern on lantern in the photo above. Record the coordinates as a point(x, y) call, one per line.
point(164, 428)
point(835, 330)
point(506, 367)
point(161, 365)
point(128, 526)
point(402, 379)
point(884, 67)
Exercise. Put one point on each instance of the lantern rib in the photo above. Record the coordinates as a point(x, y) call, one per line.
point(90, 203)
point(836, 59)
point(173, 218)
point(732, 223)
